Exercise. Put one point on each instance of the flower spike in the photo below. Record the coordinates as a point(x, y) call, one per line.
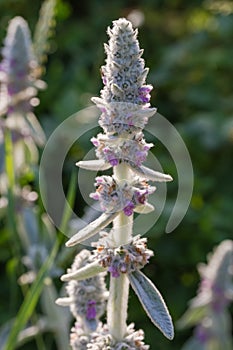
point(124, 104)
point(208, 310)
point(17, 67)
point(86, 298)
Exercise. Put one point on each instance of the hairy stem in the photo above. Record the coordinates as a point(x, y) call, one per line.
point(119, 287)
point(117, 306)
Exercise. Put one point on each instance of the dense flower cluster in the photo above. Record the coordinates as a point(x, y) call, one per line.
point(115, 197)
point(78, 338)
point(124, 82)
point(123, 259)
point(121, 117)
point(103, 340)
point(87, 298)
point(115, 150)
point(125, 108)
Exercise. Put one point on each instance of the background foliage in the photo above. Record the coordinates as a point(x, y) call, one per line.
point(188, 47)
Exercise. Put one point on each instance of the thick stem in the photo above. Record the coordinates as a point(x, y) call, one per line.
point(117, 306)
point(119, 286)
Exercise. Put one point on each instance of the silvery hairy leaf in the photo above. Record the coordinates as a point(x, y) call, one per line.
point(144, 209)
point(152, 302)
point(85, 272)
point(91, 229)
point(96, 165)
point(150, 174)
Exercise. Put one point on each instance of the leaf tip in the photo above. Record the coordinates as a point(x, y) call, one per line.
point(70, 243)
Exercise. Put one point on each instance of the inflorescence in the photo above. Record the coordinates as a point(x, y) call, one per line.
point(124, 104)
point(124, 259)
point(18, 69)
point(208, 309)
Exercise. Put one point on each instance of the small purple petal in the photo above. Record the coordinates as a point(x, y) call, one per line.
point(130, 123)
point(114, 271)
point(144, 93)
point(95, 196)
point(99, 180)
point(103, 109)
point(128, 210)
point(140, 157)
point(94, 141)
point(113, 162)
point(91, 310)
point(146, 89)
point(106, 150)
point(123, 268)
point(147, 147)
point(145, 99)
point(140, 197)
point(104, 79)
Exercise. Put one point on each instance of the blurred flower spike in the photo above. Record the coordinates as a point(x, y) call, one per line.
point(18, 70)
point(208, 311)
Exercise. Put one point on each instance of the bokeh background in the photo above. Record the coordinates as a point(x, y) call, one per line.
point(188, 48)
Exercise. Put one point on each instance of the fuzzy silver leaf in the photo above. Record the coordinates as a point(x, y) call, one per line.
point(96, 165)
point(91, 229)
point(85, 272)
point(152, 302)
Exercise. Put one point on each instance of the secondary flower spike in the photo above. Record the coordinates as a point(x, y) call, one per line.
point(86, 298)
point(208, 311)
point(19, 83)
point(17, 67)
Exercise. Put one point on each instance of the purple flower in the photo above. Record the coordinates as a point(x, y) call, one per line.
point(123, 267)
point(114, 271)
point(111, 158)
point(113, 161)
point(95, 196)
point(140, 197)
point(99, 180)
point(128, 209)
point(144, 93)
point(91, 310)
point(104, 79)
point(140, 157)
point(95, 141)
point(103, 110)
point(147, 147)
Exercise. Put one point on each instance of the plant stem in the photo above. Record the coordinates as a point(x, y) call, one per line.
point(117, 306)
point(119, 287)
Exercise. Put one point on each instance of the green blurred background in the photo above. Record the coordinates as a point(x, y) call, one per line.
point(188, 48)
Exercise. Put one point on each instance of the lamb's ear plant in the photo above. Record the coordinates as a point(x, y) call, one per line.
point(125, 110)
point(208, 311)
